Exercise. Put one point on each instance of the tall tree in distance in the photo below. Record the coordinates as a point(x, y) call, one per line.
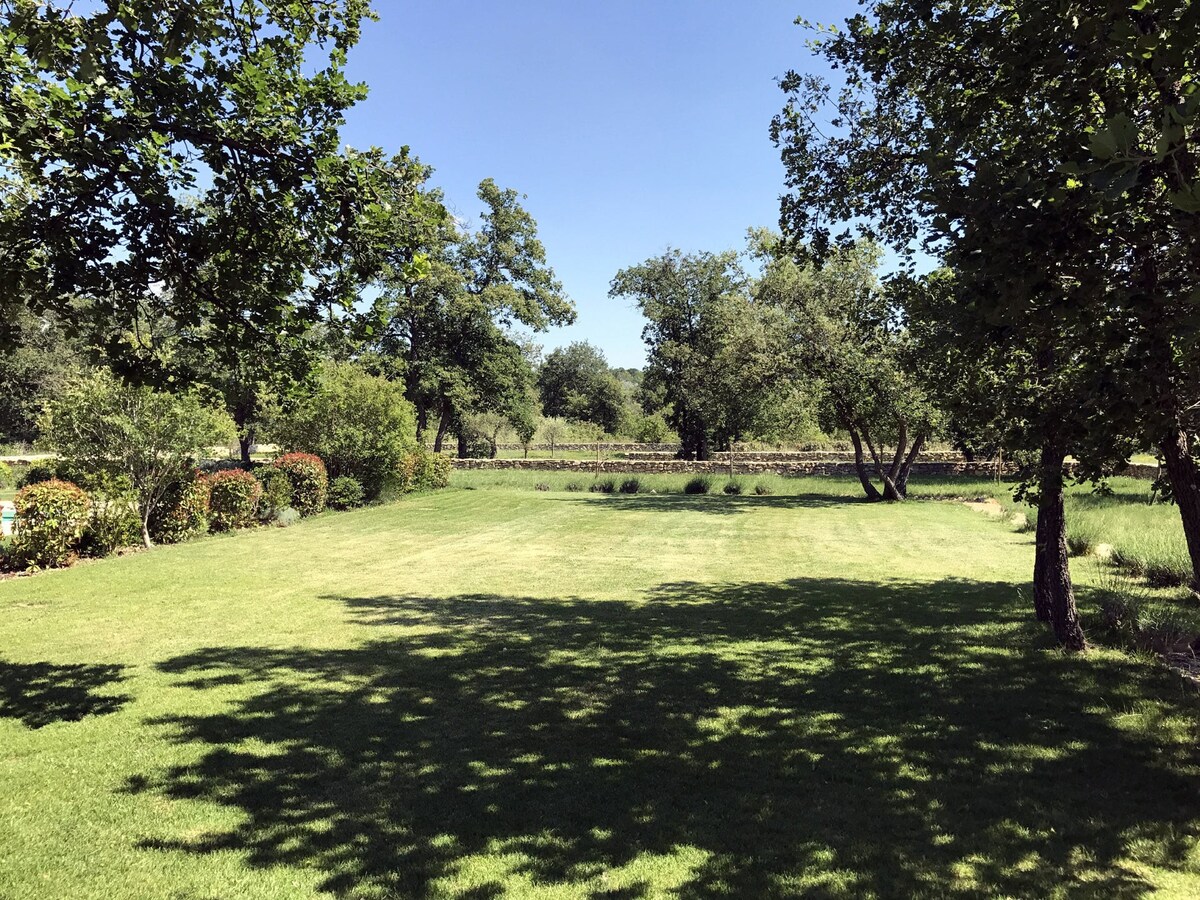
point(575, 382)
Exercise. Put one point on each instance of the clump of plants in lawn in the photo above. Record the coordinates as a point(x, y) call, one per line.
point(233, 497)
point(51, 517)
point(701, 484)
point(345, 492)
point(603, 486)
point(631, 486)
point(732, 488)
point(574, 486)
point(182, 512)
point(762, 490)
point(309, 481)
point(541, 486)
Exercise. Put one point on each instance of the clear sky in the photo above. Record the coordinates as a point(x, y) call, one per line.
point(631, 126)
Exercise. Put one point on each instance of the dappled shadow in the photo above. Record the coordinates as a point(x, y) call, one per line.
point(41, 693)
point(819, 737)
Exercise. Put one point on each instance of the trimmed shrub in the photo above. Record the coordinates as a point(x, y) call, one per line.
point(732, 488)
point(182, 513)
point(6, 475)
point(345, 493)
point(51, 516)
point(276, 494)
point(422, 470)
point(762, 490)
point(603, 486)
point(573, 486)
point(701, 484)
point(233, 498)
point(631, 486)
point(309, 480)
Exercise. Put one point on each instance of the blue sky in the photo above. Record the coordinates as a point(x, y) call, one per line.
point(631, 126)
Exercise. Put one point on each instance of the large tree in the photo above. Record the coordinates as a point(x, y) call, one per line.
point(1044, 150)
point(575, 382)
point(181, 163)
point(450, 326)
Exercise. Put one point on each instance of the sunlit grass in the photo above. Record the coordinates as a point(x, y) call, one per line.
point(505, 692)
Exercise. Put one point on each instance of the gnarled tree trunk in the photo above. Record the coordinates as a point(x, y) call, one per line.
point(860, 466)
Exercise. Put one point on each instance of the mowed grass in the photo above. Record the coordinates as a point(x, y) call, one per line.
point(513, 693)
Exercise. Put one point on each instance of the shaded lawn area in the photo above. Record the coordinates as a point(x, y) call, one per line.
point(495, 693)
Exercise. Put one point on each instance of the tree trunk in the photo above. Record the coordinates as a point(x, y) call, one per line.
point(1053, 577)
point(422, 421)
point(462, 446)
point(906, 467)
point(889, 487)
point(146, 530)
point(443, 427)
point(1185, 488)
point(1042, 591)
point(860, 465)
point(245, 442)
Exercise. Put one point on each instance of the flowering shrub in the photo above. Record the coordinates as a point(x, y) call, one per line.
point(233, 497)
point(51, 516)
point(182, 513)
point(310, 481)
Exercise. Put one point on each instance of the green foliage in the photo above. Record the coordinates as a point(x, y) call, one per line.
point(182, 512)
point(345, 493)
point(732, 488)
point(422, 470)
point(42, 470)
point(701, 484)
point(233, 497)
point(603, 486)
point(7, 479)
point(308, 479)
point(276, 493)
point(574, 486)
point(51, 517)
point(761, 489)
point(112, 524)
point(652, 429)
point(575, 382)
point(113, 431)
point(360, 425)
point(286, 517)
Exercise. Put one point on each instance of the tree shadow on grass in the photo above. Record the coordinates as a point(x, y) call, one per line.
point(42, 693)
point(817, 737)
point(716, 502)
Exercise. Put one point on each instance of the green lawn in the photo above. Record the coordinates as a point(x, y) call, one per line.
point(503, 692)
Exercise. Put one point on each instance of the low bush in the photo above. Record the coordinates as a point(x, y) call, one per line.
point(732, 488)
point(182, 512)
point(345, 493)
point(762, 490)
point(573, 486)
point(541, 486)
point(113, 524)
point(701, 484)
point(603, 486)
point(309, 480)
point(422, 470)
point(276, 492)
point(6, 476)
point(51, 517)
point(233, 498)
point(631, 486)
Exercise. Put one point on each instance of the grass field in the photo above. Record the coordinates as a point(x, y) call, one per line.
point(503, 692)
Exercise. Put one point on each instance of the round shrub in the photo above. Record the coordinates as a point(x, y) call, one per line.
point(182, 512)
point(422, 470)
point(309, 480)
point(733, 488)
point(276, 494)
point(701, 484)
point(762, 490)
point(51, 516)
point(631, 486)
point(233, 498)
point(345, 493)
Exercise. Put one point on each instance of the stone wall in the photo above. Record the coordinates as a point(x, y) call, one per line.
point(607, 448)
point(830, 466)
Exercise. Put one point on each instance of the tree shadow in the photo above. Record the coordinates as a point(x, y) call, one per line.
point(42, 693)
point(820, 737)
point(717, 503)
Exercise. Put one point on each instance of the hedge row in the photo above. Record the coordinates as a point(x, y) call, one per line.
point(57, 521)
